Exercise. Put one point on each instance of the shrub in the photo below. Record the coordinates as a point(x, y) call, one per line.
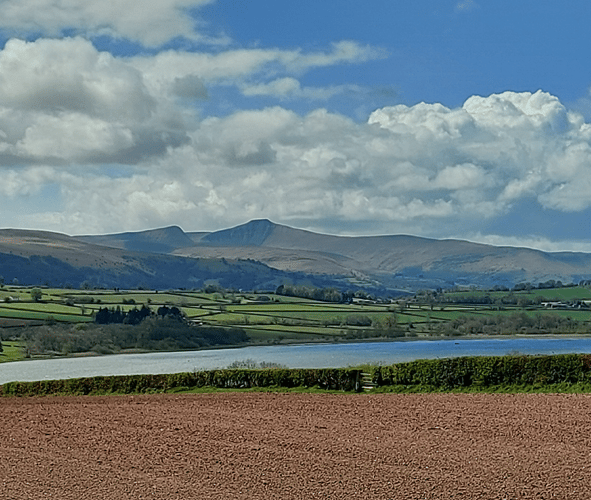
point(358, 320)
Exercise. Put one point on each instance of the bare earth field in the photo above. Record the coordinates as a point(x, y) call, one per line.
point(283, 446)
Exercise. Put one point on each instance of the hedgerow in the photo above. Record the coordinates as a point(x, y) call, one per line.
point(470, 373)
point(343, 379)
point(486, 371)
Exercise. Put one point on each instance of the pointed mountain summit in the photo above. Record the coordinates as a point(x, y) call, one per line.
point(389, 261)
point(162, 240)
point(253, 233)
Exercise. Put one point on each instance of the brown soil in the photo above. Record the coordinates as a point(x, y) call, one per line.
point(283, 446)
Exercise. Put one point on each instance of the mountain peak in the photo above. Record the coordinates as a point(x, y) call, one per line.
point(253, 233)
point(161, 240)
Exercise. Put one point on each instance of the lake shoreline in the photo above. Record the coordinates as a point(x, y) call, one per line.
point(458, 338)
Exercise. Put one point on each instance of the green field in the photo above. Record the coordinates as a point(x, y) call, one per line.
point(12, 351)
point(271, 319)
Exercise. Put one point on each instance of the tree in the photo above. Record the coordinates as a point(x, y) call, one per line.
point(36, 294)
point(390, 321)
point(1, 348)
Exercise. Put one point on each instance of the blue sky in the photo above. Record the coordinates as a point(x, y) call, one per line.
point(447, 119)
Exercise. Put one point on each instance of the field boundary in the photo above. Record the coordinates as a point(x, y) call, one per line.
point(557, 373)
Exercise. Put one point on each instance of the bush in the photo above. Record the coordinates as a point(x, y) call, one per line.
point(358, 320)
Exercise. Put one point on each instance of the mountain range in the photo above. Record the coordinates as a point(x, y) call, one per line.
point(262, 255)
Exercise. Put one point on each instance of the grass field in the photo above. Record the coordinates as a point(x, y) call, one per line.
point(12, 351)
point(271, 318)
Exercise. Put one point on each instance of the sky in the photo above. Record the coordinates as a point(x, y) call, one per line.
point(462, 119)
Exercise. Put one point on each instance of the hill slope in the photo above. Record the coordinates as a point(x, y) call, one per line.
point(37, 257)
point(162, 240)
point(396, 260)
point(169, 257)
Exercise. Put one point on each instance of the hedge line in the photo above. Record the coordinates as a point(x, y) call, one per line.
point(344, 379)
point(486, 371)
point(438, 374)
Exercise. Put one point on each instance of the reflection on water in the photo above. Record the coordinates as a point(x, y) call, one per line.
point(293, 356)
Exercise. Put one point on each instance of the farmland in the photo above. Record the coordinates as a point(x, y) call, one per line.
point(51, 321)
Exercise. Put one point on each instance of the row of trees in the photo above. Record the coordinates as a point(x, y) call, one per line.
point(135, 316)
point(364, 326)
point(328, 294)
point(484, 299)
point(323, 294)
point(541, 286)
point(153, 333)
point(507, 324)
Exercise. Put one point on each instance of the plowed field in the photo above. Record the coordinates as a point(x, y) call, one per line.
point(284, 446)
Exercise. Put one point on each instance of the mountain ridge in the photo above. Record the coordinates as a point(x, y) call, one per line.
point(390, 260)
point(263, 254)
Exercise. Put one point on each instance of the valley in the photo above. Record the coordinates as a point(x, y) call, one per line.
point(50, 322)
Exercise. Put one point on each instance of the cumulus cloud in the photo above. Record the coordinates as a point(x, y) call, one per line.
point(73, 116)
point(70, 75)
point(25, 183)
point(407, 167)
point(64, 101)
point(150, 22)
point(516, 144)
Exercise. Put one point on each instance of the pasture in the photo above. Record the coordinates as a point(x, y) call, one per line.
point(271, 319)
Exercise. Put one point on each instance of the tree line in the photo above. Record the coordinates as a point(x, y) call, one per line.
point(154, 332)
point(327, 294)
point(499, 324)
point(135, 316)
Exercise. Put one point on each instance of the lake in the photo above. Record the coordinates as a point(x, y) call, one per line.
point(292, 356)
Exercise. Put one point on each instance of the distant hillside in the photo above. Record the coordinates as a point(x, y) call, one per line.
point(395, 261)
point(163, 240)
point(254, 233)
point(262, 254)
point(37, 257)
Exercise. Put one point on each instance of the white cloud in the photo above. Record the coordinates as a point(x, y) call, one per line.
point(524, 110)
point(62, 100)
point(290, 88)
point(25, 183)
point(150, 22)
point(64, 103)
point(409, 168)
point(345, 51)
point(232, 66)
point(517, 144)
point(72, 136)
point(461, 177)
point(70, 75)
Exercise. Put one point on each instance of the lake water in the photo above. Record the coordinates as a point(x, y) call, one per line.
point(292, 356)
